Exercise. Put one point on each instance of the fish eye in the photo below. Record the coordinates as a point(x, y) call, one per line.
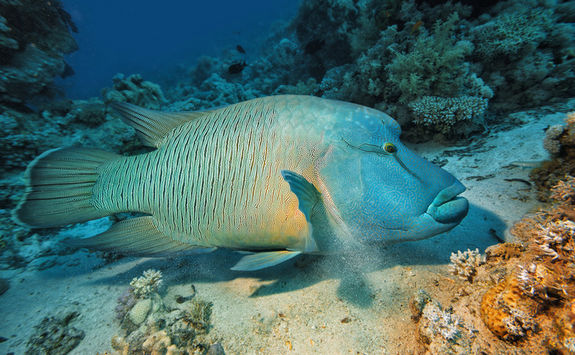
point(389, 148)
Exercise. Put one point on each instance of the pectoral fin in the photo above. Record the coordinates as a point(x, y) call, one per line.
point(261, 260)
point(308, 198)
point(306, 193)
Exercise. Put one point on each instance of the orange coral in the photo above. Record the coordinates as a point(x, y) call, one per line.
point(506, 311)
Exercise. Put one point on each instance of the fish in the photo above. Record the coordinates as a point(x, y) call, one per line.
point(273, 177)
point(237, 68)
point(240, 49)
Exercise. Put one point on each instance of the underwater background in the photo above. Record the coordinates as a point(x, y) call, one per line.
point(483, 89)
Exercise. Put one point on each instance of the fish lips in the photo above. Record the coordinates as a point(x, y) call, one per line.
point(447, 207)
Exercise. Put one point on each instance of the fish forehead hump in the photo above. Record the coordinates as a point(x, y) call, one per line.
point(334, 121)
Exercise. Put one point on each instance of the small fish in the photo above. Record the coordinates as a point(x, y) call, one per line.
point(274, 177)
point(416, 26)
point(237, 68)
point(240, 49)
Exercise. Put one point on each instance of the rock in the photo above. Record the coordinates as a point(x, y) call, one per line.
point(55, 335)
point(134, 89)
point(139, 312)
point(418, 303)
point(216, 349)
point(34, 37)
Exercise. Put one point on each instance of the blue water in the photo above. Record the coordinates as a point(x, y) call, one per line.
point(151, 37)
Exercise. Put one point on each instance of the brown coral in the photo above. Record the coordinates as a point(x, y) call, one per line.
point(506, 311)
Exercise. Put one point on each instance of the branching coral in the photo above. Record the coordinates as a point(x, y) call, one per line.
point(512, 34)
point(465, 264)
point(434, 66)
point(147, 284)
point(441, 322)
point(564, 190)
point(443, 113)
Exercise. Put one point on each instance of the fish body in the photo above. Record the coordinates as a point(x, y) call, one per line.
point(237, 68)
point(278, 176)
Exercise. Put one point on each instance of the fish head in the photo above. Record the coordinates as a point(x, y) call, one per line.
point(381, 190)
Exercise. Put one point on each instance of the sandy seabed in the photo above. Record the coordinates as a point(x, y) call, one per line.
point(343, 304)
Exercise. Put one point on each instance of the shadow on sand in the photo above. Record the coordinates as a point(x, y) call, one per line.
point(477, 230)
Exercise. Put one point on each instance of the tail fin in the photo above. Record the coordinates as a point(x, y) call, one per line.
point(59, 187)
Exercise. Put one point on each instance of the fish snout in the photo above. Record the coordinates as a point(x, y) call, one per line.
point(448, 207)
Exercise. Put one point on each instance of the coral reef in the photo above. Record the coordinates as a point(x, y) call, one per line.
point(560, 143)
point(524, 47)
point(506, 313)
point(134, 89)
point(156, 324)
point(441, 330)
point(445, 114)
point(429, 66)
point(541, 286)
point(34, 37)
point(25, 135)
point(147, 284)
point(522, 296)
point(55, 335)
point(465, 264)
point(433, 66)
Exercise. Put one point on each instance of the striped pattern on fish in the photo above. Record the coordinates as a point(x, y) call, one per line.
point(216, 181)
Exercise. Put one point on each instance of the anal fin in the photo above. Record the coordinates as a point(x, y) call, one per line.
point(136, 236)
point(261, 260)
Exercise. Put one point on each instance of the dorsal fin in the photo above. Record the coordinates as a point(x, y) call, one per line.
point(150, 125)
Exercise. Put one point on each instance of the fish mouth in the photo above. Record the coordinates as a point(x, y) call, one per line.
point(447, 207)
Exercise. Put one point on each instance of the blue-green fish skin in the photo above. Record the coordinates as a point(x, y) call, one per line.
point(280, 174)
